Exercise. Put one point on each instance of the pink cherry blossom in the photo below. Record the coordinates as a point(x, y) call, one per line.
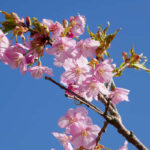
point(76, 70)
point(119, 95)
point(124, 146)
point(63, 48)
point(87, 47)
point(14, 56)
point(77, 25)
point(56, 28)
point(92, 87)
point(72, 116)
point(4, 43)
point(77, 88)
point(29, 59)
point(64, 139)
point(103, 71)
point(84, 135)
point(38, 71)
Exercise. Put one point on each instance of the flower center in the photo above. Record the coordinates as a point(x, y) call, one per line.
point(78, 71)
point(65, 139)
point(101, 71)
point(71, 120)
point(93, 86)
point(73, 23)
point(84, 133)
point(61, 47)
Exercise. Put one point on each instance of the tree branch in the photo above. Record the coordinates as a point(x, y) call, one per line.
point(79, 98)
point(101, 132)
point(114, 119)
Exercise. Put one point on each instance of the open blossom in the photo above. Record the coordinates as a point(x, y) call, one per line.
point(84, 135)
point(63, 48)
point(72, 116)
point(87, 47)
point(56, 28)
point(4, 43)
point(14, 56)
point(92, 87)
point(103, 71)
point(124, 146)
point(76, 88)
point(77, 25)
point(76, 70)
point(119, 95)
point(64, 139)
point(38, 71)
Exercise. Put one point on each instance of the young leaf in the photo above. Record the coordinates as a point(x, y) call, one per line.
point(140, 66)
point(92, 35)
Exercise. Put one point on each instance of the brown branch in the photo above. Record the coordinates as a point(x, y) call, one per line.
point(122, 68)
point(130, 137)
point(102, 131)
point(79, 98)
point(114, 119)
point(117, 123)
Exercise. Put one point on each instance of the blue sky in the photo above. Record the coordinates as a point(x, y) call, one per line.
point(30, 109)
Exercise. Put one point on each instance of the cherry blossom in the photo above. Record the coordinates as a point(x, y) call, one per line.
point(119, 95)
point(84, 135)
point(64, 139)
point(72, 116)
point(38, 71)
point(76, 70)
point(77, 25)
point(103, 71)
point(14, 56)
point(4, 43)
point(77, 88)
point(56, 28)
point(92, 87)
point(87, 47)
point(63, 48)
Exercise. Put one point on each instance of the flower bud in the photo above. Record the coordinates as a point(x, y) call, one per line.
point(28, 21)
point(125, 56)
point(65, 23)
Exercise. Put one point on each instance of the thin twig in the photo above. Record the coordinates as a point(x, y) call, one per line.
point(102, 131)
point(122, 68)
point(79, 98)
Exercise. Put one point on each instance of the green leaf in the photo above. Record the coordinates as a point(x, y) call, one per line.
point(105, 30)
point(92, 35)
point(132, 52)
point(7, 15)
point(110, 37)
point(36, 24)
point(140, 66)
point(107, 54)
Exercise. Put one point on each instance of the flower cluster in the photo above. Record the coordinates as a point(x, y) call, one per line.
point(82, 71)
point(87, 71)
point(79, 130)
